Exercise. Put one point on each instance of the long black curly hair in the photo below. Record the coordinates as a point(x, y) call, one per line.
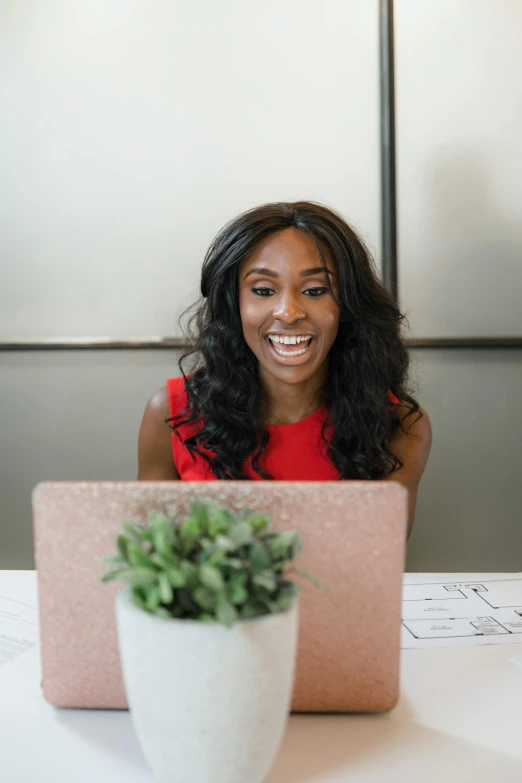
point(367, 358)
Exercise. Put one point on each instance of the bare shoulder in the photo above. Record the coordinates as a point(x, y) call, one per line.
point(158, 405)
point(155, 460)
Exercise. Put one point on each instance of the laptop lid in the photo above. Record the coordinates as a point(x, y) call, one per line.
point(354, 535)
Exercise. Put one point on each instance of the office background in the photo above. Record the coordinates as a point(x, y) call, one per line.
point(132, 132)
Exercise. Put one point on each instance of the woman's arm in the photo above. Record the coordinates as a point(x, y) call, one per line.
point(155, 460)
point(412, 448)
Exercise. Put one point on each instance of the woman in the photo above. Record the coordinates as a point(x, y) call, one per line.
point(300, 372)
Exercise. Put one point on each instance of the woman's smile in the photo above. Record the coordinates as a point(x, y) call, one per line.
point(290, 348)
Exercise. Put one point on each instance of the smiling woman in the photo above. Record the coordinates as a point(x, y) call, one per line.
point(300, 368)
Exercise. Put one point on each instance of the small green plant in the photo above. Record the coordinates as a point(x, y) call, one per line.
point(214, 565)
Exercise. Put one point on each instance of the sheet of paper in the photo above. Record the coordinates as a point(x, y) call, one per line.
point(440, 612)
point(18, 629)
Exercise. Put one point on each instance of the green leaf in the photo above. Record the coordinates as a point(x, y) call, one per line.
point(224, 542)
point(165, 589)
point(252, 609)
point(131, 530)
point(265, 579)
point(240, 534)
point(176, 577)
point(159, 521)
point(164, 562)
point(286, 600)
point(205, 598)
point(272, 606)
point(234, 562)
point(288, 592)
point(162, 533)
point(259, 521)
point(145, 534)
point(137, 557)
point(137, 598)
point(152, 598)
point(259, 559)
point(189, 533)
point(238, 579)
point(217, 557)
point(238, 595)
point(114, 559)
point(108, 576)
point(311, 578)
point(210, 577)
point(137, 577)
point(199, 511)
point(191, 573)
point(206, 618)
point(226, 613)
point(220, 522)
point(279, 545)
point(122, 543)
point(297, 545)
point(160, 542)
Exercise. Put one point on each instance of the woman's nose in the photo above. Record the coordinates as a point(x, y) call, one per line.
point(288, 309)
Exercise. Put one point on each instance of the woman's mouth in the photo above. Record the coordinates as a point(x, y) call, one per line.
point(290, 347)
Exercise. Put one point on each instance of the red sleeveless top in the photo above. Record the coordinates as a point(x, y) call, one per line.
point(295, 452)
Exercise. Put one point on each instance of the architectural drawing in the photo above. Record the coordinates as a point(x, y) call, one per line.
point(452, 610)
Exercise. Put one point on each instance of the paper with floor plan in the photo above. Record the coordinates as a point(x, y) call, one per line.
point(439, 612)
point(18, 629)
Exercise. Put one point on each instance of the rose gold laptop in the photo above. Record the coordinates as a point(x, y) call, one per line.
point(354, 534)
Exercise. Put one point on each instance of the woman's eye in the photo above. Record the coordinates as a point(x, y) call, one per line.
point(316, 291)
point(262, 291)
point(313, 292)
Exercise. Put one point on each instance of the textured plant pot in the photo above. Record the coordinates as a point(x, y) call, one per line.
point(209, 704)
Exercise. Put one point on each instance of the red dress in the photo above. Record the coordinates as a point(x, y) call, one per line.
point(295, 452)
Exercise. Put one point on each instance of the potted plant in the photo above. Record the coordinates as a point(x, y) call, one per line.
point(207, 631)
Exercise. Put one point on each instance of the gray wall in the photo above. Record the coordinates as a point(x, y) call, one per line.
point(75, 415)
point(459, 175)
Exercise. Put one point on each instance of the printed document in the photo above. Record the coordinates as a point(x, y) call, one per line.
point(444, 612)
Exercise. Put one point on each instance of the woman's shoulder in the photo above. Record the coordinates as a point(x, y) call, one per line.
point(167, 400)
point(154, 441)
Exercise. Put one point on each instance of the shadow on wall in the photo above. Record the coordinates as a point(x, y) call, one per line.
point(474, 267)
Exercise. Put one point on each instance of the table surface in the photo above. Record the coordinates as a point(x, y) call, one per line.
point(459, 718)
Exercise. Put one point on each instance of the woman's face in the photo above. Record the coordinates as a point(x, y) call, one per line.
point(283, 294)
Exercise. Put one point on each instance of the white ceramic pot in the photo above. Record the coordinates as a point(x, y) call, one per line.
point(209, 704)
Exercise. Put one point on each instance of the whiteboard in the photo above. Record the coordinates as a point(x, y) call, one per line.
point(132, 132)
point(459, 166)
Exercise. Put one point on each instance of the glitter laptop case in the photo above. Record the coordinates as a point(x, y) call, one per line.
point(354, 535)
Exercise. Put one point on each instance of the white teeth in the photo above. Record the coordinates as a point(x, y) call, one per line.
point(287, 340)
point(291, 353)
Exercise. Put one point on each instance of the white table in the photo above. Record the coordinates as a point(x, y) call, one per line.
point(459, 719)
